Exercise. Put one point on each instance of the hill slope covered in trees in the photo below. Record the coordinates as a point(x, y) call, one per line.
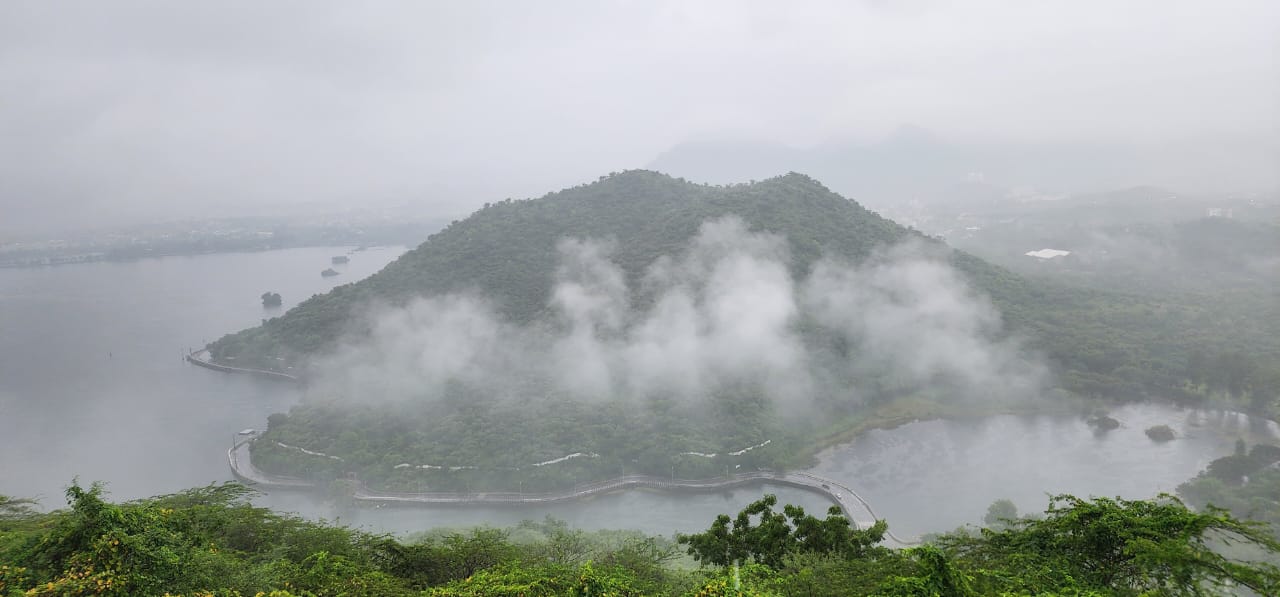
point(647, 324)
point(507, 250)
point(1100, 343)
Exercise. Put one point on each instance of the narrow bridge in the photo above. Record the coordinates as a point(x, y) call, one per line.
point(854, 508)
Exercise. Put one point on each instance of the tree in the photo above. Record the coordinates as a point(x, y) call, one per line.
point(1119, 547)
point(16, 508)
point(1197, 367)
point(772, 536)
point(938, 577)
point(1000, 514)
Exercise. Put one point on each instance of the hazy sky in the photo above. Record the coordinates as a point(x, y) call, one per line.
point(112, 111)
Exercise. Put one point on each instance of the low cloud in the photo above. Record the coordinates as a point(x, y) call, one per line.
point(913, 320)
point(725, 316)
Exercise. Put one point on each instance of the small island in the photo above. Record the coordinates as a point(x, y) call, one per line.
point(1161, 433)
point(1104, 423)
point(329, 273)
point(271, 299)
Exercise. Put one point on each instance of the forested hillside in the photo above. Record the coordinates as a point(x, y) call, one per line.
point(1100, 343)
point(506, 252)
point(449, 396)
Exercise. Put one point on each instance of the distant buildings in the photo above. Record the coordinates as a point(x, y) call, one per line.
point(1047, 253)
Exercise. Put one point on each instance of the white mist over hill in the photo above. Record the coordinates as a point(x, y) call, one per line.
point(726, 315)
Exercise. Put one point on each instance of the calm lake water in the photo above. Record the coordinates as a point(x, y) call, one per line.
point(92, 381)
point(92, 385)
point(936, 475)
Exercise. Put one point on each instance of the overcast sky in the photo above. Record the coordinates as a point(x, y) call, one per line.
point(115, 111)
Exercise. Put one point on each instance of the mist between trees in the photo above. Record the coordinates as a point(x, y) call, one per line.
point(726, 316)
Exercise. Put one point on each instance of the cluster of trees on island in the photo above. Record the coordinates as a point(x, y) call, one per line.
point(212, 542)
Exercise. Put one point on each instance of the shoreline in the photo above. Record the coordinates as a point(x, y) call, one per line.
point(889, 416)
point(907, 411)
point(848, 500)
point(202, 358)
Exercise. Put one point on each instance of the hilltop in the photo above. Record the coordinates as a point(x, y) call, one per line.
point(506, 251)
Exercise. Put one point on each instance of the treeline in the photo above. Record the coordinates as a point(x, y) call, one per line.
point(1238, 375)
point(211, 542)
point(1247, 483)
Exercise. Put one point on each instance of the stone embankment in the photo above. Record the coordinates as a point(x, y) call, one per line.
point(854, 508)
point(204, 359)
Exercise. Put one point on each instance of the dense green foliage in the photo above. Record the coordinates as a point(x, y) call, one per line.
point(502, 439)
point(1247, 483)
point(506, 252)
point(210, 542)
point(772, 536)
point(1080, 547)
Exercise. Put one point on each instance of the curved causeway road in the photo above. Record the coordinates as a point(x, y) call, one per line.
point(243, 469)
point(204, 359)
point(854, 508)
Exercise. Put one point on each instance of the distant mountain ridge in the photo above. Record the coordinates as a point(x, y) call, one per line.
point(914, 164)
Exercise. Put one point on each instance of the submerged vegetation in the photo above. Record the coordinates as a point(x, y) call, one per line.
point(210, 541)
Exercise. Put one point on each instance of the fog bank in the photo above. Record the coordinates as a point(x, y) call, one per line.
point(725, 316)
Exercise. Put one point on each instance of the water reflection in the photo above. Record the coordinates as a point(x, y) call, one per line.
point(649, 511)
point(930, 476)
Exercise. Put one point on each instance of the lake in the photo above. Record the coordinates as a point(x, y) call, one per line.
point(931, 476)
point(93, 385)
point(92, 381)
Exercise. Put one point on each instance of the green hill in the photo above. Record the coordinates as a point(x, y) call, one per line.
point(506, 252)
point(1096, 343)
